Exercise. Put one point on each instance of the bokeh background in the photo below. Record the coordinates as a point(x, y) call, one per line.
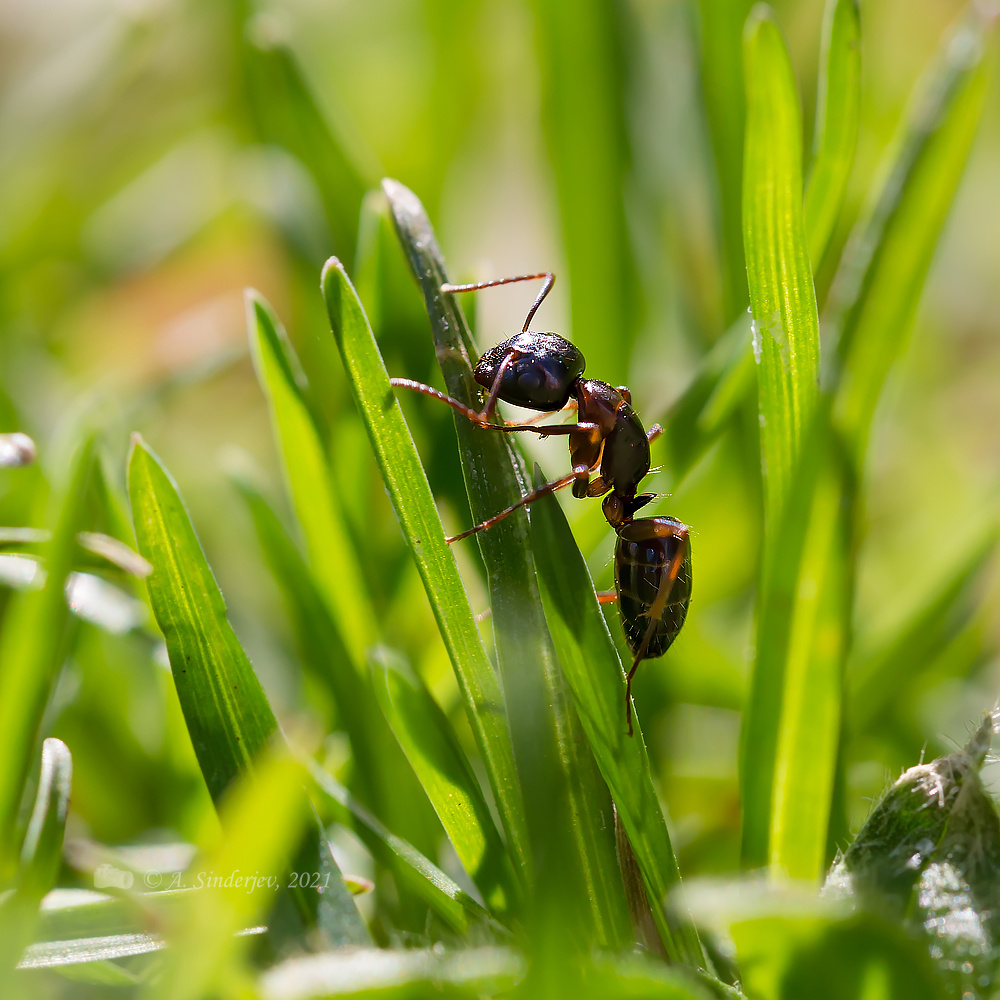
point(159, 156)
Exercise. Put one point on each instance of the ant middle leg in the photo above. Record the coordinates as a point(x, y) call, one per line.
point(581, 472)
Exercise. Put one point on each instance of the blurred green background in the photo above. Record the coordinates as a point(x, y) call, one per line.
point(157, 157)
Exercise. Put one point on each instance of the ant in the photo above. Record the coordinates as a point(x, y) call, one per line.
point(543, 371)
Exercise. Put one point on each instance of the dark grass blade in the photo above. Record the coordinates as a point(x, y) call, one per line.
point(562, 788)
point(411, 498)
point(594, 674)
point(838, 107)
point(31, 651)
point(227, 713)
point(433, 750)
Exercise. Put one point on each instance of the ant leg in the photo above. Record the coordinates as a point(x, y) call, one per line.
point(655, 611)
point(429, 390)
point(549, 281)
point(579, 473)
point(607, 596)
point(653, 433)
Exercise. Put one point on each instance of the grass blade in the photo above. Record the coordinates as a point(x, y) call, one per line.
point(595, 676)
point(430, 745)
point(782, 297)
point(559, 779)
point(227, 713)
point(307, 476)
point(31, 651)
point(786, 347)
point(878, 284)
point(443, 895)
point(413, 503)
point(583, 86)
point(838, 105)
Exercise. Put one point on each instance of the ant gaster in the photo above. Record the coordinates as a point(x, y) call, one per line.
point(543, 371)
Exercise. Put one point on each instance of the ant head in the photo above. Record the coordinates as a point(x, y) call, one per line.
point(539, 370)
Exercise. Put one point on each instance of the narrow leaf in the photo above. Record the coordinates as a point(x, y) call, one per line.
point(308, 478)
point(786, 348)
point(413, 503)
point(838, 105)
point(434, 753)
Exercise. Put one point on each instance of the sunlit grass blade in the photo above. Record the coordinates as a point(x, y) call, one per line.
point(413, 503)
point(308, 478)
point(584, 107)
point(31, 649)
point(561, 785)
point(782, 297)
point(41, 853)
point(594, 674)
point(884, 266)
point(838, 106)
point(786, 347)
point(226, 710)
point(430, 745)
point(722, 86)
point(474, 972)
point(879, 669)
point(441, 893)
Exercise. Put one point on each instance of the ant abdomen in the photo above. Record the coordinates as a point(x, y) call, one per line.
point(646, 554)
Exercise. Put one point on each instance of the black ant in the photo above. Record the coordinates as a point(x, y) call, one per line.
point(542, 371)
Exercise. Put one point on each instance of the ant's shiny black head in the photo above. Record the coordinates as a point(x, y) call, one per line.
point(540, 374)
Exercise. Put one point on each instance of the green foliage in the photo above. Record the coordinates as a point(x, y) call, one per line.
point(449, 720)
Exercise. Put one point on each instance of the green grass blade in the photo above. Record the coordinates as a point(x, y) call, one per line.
point(722, 85)
point(786, 347)
point(227, 712)
point(838, 106)
point(41, 853)
point(594, 674)
point(31, 648)
point(878, 284)
point(225, 708)
point(413, 503)
point(559, 778)
point(782, 297)
point(442, 894)
point(583, 94)
point(308, 478)
point(435, 755)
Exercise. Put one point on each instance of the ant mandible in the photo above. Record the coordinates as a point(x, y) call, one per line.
point(543, 371)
